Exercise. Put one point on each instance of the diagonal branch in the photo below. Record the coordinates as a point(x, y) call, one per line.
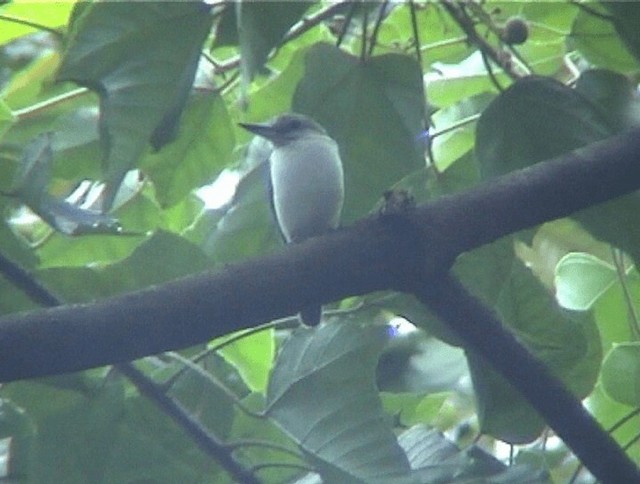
point(457, 12)
point(486, 337)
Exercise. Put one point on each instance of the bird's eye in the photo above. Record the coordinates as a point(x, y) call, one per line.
point(295, 124)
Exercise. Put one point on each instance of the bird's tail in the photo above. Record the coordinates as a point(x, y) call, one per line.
point(311, 315)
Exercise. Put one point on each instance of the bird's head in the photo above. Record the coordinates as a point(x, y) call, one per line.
point(286, 128)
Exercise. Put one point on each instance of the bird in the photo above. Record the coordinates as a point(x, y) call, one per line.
point(307, 181)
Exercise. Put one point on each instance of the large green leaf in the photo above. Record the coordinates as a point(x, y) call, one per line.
point(534, 120)
point(581, 279)
point(596, 39)
point(626, 16)
point(261, 27)
point(537, 119)
point(613, 94)
point(253, 356)
point(203, 148)
point(322, 393)
point(140, 269)
point(141, 58)
point(376, 112)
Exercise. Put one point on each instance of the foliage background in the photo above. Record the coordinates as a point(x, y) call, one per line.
point(167, 84)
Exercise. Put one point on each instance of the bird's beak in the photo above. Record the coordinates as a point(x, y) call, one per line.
point(264, 130)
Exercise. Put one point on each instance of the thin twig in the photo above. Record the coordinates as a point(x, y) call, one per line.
point(591, 11)
point(300, 28)
point(210, 379)
point(365, 25)
point(416, 34)
point(346, 23)
point(618, 261)
point(29, 23)
point(312, 20)
point(27, 283)
point(285, 323)
point(37, 108)
point(490, 73)
point(374, 35)
point(458, 124)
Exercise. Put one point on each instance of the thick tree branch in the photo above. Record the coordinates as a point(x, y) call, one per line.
point(404, 252)
point(375, 254)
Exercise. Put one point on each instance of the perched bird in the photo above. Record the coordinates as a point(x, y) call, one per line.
point(307, 181)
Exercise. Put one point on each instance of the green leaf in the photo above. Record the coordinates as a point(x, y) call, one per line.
point(612, 222)
point(261, 27)
point(437, 459)
point(613, 94)
point(610, 413)
point(415, 362)
point(139, 217)
point(30, 186)
point(141, 58)
point(597, 40)
point(27, 85)
point(204, 398)
point(247, 227)
point(18, 427)
point(253, 356)
point(453, 83)
point(375, 110)
point(612, 316)
point(149, 447)
point(253, 428)
point(203, 148)
point(6, 118)
point(275, 96)
point(441, 36)
point(342, 430)
point(621, 373)
point(34, 173)
point(534, 120)
point(53, 15)
point(412, 409)
point(75, 144)
point(626, 17)
point(581, 279)
point(452, 144)
point(140, 269)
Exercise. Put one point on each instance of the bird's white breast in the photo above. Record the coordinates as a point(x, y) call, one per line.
point(308, 186)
